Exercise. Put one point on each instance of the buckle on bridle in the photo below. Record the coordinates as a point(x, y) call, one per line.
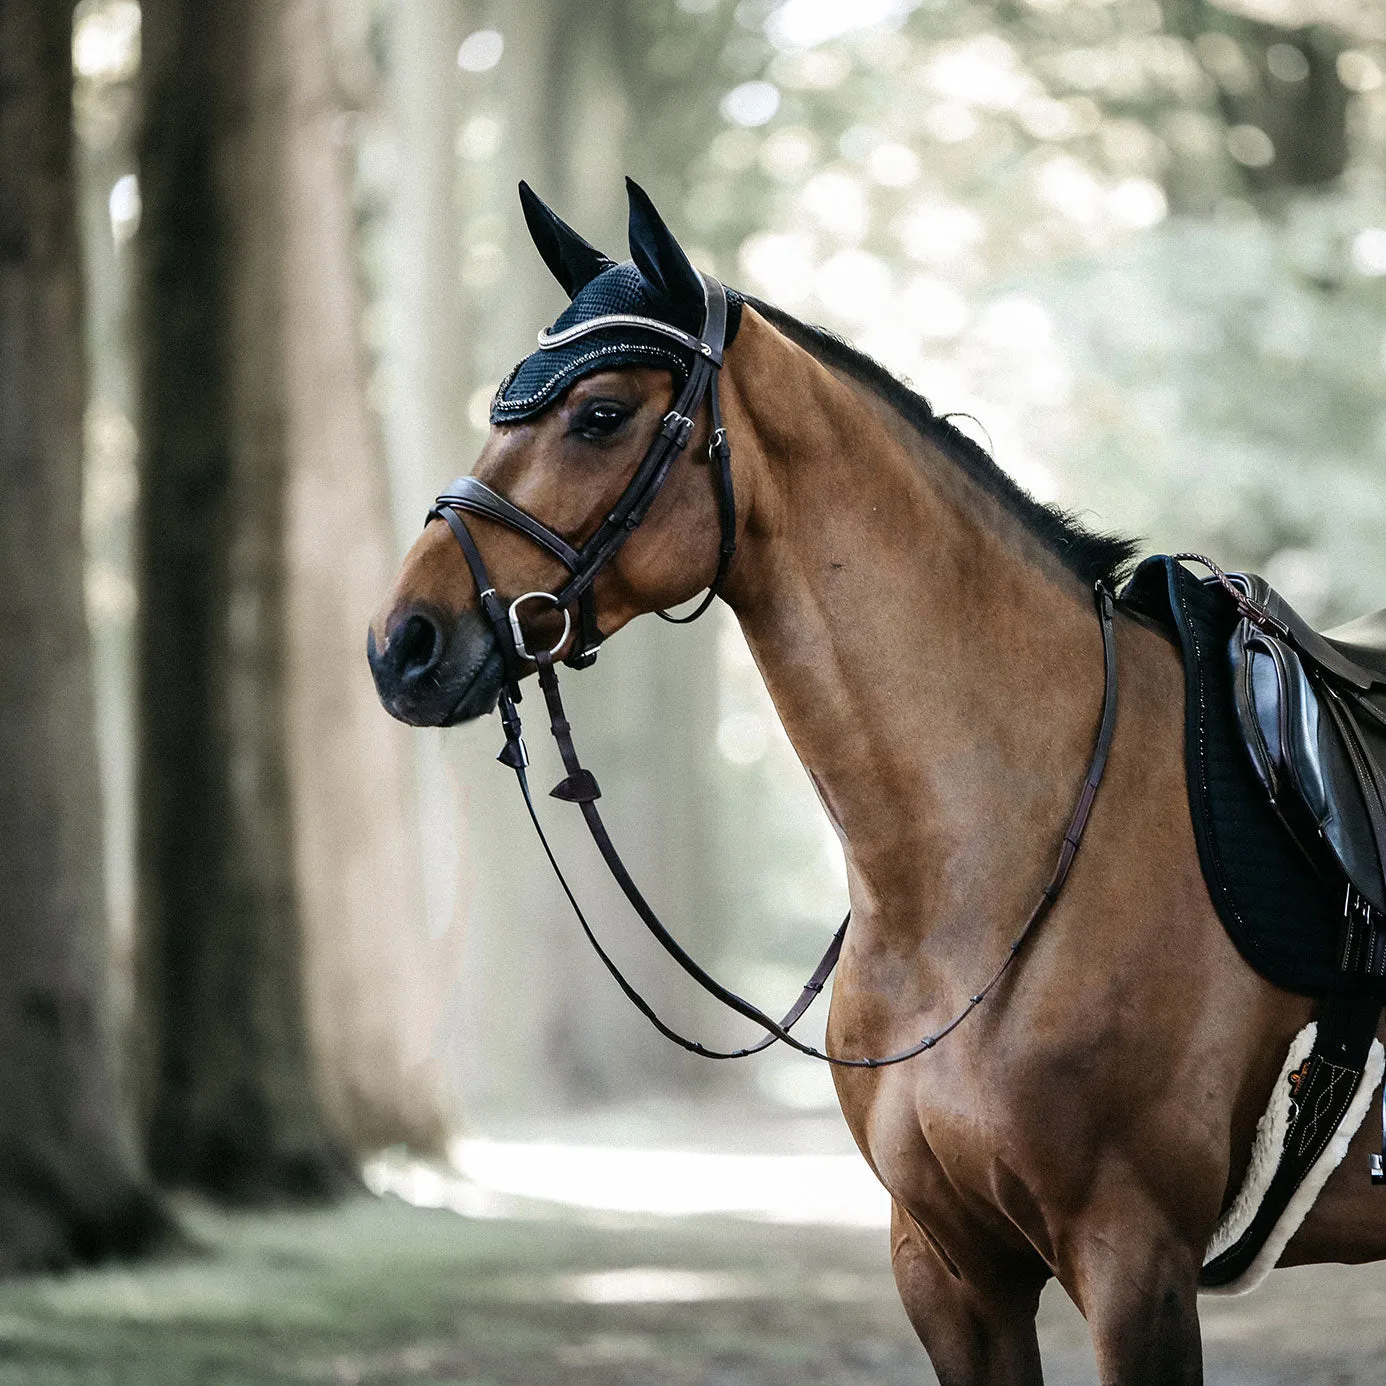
point(518, 634)
point(678, 427)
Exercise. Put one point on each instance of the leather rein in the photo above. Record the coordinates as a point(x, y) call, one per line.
point(579, 785)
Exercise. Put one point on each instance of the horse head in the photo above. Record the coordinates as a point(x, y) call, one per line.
point(603, 491)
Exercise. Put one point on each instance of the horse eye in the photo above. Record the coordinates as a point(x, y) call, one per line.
point(600, 419)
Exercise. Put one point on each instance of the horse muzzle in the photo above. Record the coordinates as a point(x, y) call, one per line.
point(431, 672)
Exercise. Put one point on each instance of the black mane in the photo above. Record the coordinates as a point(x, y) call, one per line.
point(1092, 556)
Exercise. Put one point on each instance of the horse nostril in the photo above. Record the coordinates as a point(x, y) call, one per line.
point(417, 647)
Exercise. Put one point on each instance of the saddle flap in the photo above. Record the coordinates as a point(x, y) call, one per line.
point(1309, 752)
point(1364, 642)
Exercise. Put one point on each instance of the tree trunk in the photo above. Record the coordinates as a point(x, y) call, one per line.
point(427, 442)
point(1304, 113)
point(376, 982)
point(646, 710)
point(230, 1106)
point(644, 715)
point(70, 1186)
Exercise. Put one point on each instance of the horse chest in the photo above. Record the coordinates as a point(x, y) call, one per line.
point(918, 1130)
point(934, 1154)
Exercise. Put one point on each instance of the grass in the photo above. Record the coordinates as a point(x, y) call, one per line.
point(377, 1293)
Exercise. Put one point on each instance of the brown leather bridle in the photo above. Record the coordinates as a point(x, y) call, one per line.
point(579, 785)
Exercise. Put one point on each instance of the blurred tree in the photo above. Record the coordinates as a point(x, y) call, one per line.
point(376, 982)
point(569, 105)
point(230, 1105)
point(71, 1188)
point(105, 51)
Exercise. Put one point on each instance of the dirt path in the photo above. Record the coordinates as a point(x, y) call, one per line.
point(381, 1294)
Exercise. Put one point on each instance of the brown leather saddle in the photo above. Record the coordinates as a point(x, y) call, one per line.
point(1311, 709)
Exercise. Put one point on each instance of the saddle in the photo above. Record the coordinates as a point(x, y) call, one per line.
point(1285, 753)
point(1311, 709)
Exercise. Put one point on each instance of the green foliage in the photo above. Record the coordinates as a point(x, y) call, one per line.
point(1060, 218)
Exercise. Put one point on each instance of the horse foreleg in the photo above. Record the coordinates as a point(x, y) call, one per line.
point(976, 1334)
point(1138, 1291)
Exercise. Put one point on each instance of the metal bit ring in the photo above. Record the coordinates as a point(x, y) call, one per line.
point(518, 634)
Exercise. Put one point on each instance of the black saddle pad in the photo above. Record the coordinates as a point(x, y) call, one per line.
point(1280, 915)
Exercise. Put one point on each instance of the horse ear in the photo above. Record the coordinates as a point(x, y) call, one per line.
point(574, 263)
point(659, 257)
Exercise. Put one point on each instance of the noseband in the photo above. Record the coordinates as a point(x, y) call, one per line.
point(584, 564)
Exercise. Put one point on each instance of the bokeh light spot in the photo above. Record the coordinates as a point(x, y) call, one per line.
point(893, 165)
point(820, 69)
point(751, 103)
point(1286, 63)
point(106, 42)
point(480, 137)
point(981, 71)
point(807, 23)
point(742, 738)
point(788, 154)
point(935, 306)
point(1369, 251)
point(480, 51)
point(780, 264)
point(124, 207)
point(936, 233)
point(854, 285)
point(837, 202)
point(1358, 71)
point(1250, 146)
point(1137, 202)
point(951, 122)
point(479, 407)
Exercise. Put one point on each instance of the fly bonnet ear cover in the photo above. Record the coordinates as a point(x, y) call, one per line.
point(658, 282)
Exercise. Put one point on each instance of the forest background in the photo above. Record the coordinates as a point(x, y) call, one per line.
point(261, 268)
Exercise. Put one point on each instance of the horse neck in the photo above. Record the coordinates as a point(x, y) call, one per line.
point(938, 673)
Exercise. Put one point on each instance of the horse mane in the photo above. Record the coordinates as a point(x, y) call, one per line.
point(1092, 556)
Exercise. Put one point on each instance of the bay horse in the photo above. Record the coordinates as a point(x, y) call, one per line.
point(926, 632)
